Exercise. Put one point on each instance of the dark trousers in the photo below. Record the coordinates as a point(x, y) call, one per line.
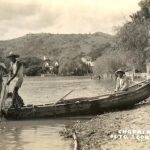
point(17, 101)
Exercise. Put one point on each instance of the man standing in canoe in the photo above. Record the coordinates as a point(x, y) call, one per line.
point(16, 71)
point(122, 81)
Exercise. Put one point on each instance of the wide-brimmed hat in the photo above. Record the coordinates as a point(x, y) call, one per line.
point(120, 71)
point(11, 54)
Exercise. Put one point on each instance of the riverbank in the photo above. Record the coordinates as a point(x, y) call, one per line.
point(123, 130)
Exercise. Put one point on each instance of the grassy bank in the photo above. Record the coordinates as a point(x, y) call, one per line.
point(114, 131)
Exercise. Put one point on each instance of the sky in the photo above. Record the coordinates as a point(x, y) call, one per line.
point(20, 17)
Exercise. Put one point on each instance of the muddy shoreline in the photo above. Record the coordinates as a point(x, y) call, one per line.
point(122, 130)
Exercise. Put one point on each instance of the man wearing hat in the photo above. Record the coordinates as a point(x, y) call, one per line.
point(2, 71)
point(17, 76)
point(122, 81)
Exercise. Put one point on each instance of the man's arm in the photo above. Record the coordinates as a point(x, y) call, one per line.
point(5, 70)
point(117, 85)
point(14, 75)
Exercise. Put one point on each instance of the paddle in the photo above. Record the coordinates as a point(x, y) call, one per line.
point(4, 94)
point(109, 95)
point(3, 98)
point(64, 96)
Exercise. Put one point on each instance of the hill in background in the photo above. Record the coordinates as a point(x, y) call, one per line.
point(67, 49)
point(55, 45)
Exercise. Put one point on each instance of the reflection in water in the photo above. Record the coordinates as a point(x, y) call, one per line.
point(33, 135)
point(44, 134)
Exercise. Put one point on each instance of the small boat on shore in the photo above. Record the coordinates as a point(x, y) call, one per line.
point(82, 106)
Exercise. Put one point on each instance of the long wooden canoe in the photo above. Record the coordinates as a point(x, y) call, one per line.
point(84, 105)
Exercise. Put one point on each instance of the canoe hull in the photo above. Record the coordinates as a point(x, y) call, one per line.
point(82, 106)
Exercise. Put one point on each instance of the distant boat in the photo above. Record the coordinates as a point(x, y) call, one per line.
point(84, 105)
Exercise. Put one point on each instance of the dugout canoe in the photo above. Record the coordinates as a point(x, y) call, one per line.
point(83, 106)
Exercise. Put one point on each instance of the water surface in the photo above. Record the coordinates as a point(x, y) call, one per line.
point(44, 134)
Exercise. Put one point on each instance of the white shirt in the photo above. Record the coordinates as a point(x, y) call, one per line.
point(122, 83)
point(20, 71)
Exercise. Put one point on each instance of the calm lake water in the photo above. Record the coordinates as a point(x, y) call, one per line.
point(44, 134)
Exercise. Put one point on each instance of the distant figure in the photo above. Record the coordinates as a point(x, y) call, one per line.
point(56, 67)
point(2, 71)
point(99, 77)
point(16, 76)
point(122, 81)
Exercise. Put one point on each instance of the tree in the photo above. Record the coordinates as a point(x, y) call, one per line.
point(98, 51)
point(72, 66)
point(34, 70)
point(30, 61)
point(133, 36)
point(110, 62)
point(32, 66)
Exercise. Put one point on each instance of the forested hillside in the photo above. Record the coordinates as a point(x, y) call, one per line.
point(67, 49)
point(55, 45)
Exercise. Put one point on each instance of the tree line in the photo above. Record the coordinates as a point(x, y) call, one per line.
point(131, 49)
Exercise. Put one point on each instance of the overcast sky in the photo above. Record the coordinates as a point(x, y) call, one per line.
point(19, 17)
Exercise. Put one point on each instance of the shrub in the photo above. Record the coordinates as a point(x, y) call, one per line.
point(34, 70)
point(31, 61)
point(32, 66)
point(72, 66)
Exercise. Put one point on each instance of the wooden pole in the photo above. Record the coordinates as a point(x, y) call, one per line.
point(76, 145)
point(3, 95)
point(133, 73)
point(65, 96)
point(148, 70)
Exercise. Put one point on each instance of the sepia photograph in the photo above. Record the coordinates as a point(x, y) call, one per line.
point(74, 74)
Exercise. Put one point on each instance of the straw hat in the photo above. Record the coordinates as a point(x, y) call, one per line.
point(120, 71)
point(11, 54)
